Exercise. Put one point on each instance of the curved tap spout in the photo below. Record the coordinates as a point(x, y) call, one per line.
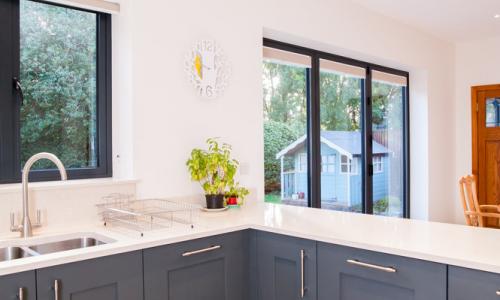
point(26, 227)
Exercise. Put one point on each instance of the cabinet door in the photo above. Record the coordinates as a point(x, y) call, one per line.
point(114, 277)
point(18, 286)
point(466, 284)
point(352, 274)
point(286, 267)
point(213, 268)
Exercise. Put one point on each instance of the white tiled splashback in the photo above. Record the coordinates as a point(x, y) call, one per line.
point(63, 205)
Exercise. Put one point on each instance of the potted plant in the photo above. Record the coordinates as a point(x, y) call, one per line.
point(236, 194)
point(214, 169)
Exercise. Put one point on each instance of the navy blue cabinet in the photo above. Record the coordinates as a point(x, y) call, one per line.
point(113, 277)
point(467, 284)
point(352, 274)
point(286, 267)
point(213, 268)
point(18, 286)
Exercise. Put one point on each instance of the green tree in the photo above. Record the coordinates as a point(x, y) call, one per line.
point(277, 136)
point(58, 74)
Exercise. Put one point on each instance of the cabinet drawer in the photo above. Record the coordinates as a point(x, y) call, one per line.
point(10, 286)
point(466, 284)
point(212, 268)
point(346, 273)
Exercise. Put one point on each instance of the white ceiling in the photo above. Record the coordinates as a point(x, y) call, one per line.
point(452, 20)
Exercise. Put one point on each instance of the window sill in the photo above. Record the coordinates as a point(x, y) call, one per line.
point(58, 185)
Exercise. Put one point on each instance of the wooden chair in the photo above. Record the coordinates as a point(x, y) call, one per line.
point(474, 212)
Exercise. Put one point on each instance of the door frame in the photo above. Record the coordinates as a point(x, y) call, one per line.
point(474, 110)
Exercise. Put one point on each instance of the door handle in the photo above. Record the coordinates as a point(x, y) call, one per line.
point(20, 294)
point(371, 266)
point(19, 89)
point(201, 251)
point(302, 276)
point(57, 286)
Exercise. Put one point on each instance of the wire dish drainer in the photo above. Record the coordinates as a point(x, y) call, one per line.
point(145, 214)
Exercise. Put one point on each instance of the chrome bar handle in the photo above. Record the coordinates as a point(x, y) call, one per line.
point(56, 289)
point(371, 266)
point(498, 293)
point(212, 248)
point(20, 294)
point(302, 279)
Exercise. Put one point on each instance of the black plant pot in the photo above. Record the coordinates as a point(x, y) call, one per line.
point(215, 201)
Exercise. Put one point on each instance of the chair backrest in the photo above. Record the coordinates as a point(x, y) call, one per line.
point(470, 203)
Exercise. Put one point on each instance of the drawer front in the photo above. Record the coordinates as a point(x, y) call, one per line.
point(11, 286)
point(346, 273)
point(111, 277)
point(213, 268)
point(467, 284)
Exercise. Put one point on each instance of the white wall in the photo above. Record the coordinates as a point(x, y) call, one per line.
point(477, 63)
point(168, 119)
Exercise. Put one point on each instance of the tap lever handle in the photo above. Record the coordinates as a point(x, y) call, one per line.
point(38, 217)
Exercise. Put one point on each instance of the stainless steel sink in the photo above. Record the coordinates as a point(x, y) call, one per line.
point(11, 253)
point(70, 244)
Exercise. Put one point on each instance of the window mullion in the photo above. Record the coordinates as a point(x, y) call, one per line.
point(9, 107)
point(314, 136)
point(367, 149)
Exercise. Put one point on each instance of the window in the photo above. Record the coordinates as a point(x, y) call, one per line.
point(335, 108)
point(328, 163)
point(348, 166)
point(60, 57)
point(286, 77)
point(378, 164)
point(302, 162)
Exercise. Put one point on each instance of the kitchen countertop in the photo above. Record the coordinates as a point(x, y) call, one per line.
point(476, 248)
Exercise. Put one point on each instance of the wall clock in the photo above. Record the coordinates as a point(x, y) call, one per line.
point(207, 69)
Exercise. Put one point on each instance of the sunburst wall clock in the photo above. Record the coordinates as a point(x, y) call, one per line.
point(207, 69)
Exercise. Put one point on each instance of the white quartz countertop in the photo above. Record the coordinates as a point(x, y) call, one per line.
point(476, 248)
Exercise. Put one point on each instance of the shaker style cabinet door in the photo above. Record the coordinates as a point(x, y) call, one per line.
point(117, 277)
point(346, 273)
point(20, 286)
point(467, 284)
point(286, 267)
point(212, 268)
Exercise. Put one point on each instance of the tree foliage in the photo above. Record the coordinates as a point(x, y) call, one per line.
point(277, 136)
point(58, 75)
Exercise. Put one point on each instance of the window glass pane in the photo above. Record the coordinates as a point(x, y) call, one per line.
point(388, 94)
point(58, 75)
point(493, 112)
point(341, 91)
point(285, 123)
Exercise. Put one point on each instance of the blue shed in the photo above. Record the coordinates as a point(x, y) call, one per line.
point(340, 169)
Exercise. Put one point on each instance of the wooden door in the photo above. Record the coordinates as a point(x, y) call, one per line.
point(113, 277)
point(11, 286)
point(286, 267)
point(346, 273)
point(486, 144)
point(212, 268)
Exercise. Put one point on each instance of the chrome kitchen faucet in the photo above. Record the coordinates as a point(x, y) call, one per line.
point(26, 228)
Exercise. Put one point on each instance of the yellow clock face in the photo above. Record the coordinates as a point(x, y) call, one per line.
point(207, 69)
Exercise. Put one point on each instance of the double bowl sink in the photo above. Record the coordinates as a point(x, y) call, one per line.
point(36, 248)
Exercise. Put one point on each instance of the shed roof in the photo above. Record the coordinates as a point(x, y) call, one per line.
point(346, 142)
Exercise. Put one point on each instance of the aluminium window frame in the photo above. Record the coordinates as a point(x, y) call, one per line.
point(314, 128)
point(10, 139)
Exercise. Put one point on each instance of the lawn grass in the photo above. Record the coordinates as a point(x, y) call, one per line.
point(272, 198)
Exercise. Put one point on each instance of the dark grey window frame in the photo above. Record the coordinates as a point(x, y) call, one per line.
point(313, 124)
point(10, 166)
